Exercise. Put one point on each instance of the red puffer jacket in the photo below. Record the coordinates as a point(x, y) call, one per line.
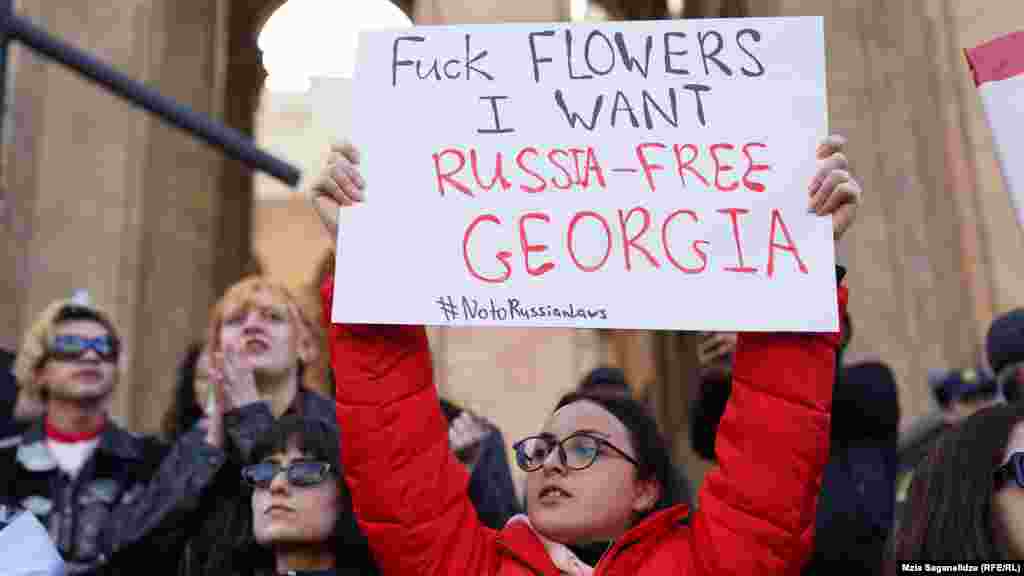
point(409, 492)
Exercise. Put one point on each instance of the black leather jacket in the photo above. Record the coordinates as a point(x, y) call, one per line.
point(129, 487)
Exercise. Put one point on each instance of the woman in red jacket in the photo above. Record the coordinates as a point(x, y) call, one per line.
point(589, 478)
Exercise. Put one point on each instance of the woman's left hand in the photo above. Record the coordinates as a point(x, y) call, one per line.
point(833, 190)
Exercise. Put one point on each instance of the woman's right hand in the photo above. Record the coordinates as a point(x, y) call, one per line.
point(238, 382)
point(339, 184)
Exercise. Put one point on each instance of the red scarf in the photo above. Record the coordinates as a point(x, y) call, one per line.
point(72, 437)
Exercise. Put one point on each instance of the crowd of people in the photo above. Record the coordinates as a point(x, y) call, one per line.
point(256, 472)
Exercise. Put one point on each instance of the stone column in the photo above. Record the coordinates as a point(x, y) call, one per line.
point(109, 199)
point(936, 247)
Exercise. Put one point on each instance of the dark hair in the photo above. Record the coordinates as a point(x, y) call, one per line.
point(604, 378)
point(319, 440)
point(652, 452)
point(184, 412)
point(71, 312)
point(865, 405)
point(949, 515)
point(76, 312)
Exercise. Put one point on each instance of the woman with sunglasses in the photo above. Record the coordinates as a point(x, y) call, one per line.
point(591, 477)
point(301, 512)
point(966, 501)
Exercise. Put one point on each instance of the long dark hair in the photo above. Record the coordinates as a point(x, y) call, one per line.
point(949, 516)
point(651, 449)
point(184, 412)
point(318, 439)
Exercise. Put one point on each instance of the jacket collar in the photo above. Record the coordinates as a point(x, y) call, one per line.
point(114, 440)
point(561, 555)
point(313, 405)
point(519, 540)
point(650, 530)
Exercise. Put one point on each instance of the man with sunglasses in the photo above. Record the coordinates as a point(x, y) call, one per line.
point(96, 487)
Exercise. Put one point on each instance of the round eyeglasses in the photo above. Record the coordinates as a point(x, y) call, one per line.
point(577, 451)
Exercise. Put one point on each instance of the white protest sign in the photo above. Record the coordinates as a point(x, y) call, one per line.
point(998, 67)
point(648, 175)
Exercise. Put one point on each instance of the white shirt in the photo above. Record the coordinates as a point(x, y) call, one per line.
point(71, 456)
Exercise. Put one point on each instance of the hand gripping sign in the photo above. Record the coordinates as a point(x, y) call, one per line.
point(648, 175)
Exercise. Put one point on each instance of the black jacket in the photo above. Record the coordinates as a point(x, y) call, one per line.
point(129, 488)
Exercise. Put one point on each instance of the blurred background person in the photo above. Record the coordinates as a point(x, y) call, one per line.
point(191, 392)
point(958, 394)
point(962, 393)
point(964, 502)
point(1004, 345)
point(480, 447)
point(856, 509)
point(257, 349)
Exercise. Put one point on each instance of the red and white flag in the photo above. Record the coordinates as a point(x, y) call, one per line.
point(998, 68)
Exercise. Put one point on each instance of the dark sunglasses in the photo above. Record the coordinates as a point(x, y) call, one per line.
point(301, 473)
point(1012, 469)
point(74, 347)
point(577, 451)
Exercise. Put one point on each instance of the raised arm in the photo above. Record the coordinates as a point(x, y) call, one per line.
point(409, 492)
point(757, 507)
point(147, 519)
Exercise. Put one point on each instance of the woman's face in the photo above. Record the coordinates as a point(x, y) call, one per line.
point(1008, 501)
point(287, 515)
point(260, 328)
point(594, 504)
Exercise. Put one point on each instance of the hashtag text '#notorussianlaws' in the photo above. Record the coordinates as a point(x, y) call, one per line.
point(466, 308)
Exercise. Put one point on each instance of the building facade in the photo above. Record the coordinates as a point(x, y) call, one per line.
point(98, 195)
